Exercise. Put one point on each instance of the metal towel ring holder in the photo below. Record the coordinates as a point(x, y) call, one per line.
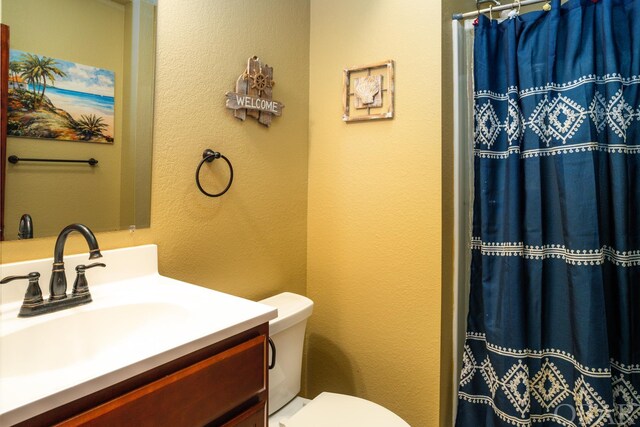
point(209, 156)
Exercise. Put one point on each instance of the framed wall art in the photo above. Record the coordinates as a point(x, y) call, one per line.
point(55, 99)
point(368, 92)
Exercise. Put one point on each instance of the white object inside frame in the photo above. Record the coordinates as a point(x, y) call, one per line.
point(368, 92)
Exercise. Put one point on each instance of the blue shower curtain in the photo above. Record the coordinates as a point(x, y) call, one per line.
point(553, 334)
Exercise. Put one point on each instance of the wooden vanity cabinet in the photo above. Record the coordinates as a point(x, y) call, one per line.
point(224, 384)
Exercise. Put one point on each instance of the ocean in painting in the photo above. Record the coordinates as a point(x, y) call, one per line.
point(77, 103)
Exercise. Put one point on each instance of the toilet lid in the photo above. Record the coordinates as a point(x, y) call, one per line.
point(340, 410)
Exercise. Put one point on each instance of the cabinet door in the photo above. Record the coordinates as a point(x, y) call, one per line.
point(193, 396)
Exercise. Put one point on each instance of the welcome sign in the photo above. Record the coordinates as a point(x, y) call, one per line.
point(236, 101)
point(253, 95)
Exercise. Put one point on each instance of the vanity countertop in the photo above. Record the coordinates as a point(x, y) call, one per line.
point(138, 320)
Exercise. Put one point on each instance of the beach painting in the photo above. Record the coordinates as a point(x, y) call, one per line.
point(55, 99)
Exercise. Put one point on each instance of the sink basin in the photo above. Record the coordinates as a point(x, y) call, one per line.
point(138, 320)
point(80, 336)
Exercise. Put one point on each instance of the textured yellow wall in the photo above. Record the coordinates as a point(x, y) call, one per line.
point(374, 213)
point(89, 33)
point(252, 240)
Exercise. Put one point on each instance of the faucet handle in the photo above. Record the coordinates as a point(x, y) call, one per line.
point(34, 275)
point(33, 296)
point(80, 286)
point(81, 268)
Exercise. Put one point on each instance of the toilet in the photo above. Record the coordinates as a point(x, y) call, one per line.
point(327, 409)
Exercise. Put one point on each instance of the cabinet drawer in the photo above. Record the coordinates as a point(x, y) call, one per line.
point(255, 416)
point(190, 397)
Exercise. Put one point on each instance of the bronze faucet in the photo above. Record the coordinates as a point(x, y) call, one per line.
point(33, 303)
point(58, 283)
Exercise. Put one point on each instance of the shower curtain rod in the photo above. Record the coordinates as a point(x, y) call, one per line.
point(460, 16)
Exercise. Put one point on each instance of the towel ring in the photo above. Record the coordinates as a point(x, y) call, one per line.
point(209, 156)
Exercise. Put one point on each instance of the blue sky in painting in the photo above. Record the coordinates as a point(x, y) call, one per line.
point(80, 78)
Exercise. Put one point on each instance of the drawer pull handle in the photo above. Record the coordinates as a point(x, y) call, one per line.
point(273, 354)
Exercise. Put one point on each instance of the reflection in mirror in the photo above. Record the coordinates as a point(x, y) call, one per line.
point(117, 37)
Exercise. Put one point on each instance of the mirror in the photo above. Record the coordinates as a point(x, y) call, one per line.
point(116, 37)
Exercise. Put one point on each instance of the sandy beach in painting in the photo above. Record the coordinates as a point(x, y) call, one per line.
point(78, 103)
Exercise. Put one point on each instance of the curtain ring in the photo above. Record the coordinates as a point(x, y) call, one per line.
point(491, 13)
point(513, 12)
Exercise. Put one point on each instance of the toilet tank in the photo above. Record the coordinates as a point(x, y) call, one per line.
point(287, 333)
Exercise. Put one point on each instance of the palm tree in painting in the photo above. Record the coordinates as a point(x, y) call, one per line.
point(90, 126)
point(29, 71)
point(49, 72)
point(36, 70)
point(14, 71)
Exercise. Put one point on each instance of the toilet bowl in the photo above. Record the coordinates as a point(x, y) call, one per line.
point(327, 409)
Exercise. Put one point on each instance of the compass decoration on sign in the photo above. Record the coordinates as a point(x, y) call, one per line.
point(260, 81)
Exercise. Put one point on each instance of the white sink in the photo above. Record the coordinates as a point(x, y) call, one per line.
point(138, 320)
point(80, 336)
